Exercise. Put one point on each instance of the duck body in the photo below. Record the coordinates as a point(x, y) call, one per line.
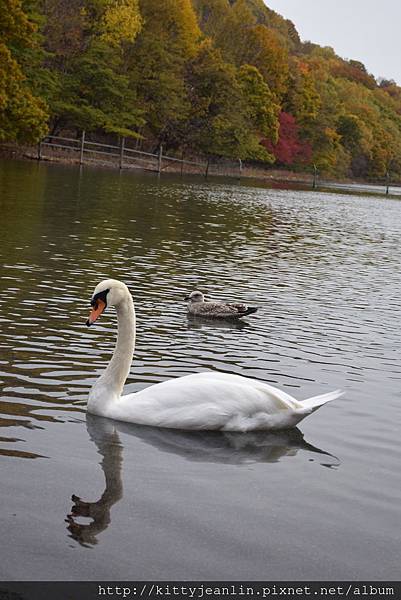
point(201, 401)
point(199, 307)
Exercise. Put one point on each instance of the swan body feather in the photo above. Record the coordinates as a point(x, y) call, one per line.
point(201, 401)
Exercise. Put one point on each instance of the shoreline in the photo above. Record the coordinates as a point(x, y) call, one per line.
point(279, 178)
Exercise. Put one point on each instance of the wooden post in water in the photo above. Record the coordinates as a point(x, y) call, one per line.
point(40, 150)
point(122, 146)
point(207, 168)
point(387, 182)
point(81, 157)
point(160, 159)
point(240, 169)
point(314, 184)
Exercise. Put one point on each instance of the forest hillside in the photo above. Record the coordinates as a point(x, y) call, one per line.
point(226, 78)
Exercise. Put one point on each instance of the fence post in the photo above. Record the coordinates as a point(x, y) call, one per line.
point(81, 157)
point(314, 184)
point(387, 182)
point(207, 168)
point(122, 146)
point(40, 150)
point(160, 159)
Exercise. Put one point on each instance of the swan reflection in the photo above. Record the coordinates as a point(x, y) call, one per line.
point(104, 434)
point(196, 446)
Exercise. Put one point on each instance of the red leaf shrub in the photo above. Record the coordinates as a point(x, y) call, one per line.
point(289, 148)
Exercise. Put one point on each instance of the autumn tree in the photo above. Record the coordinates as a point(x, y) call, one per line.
point(23, 116)
point(215, 123)
point(289, 150)
point(302, 99)
point(261, 110)
point(157, 64)
point(230, 109)
point(203, 76)
point(87, 49)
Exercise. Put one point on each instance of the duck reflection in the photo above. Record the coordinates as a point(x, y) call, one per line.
point(207, 322)
point(196, 446)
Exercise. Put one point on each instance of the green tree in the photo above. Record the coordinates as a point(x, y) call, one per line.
point(215, 119)
point(212, 16)
point(350, 130)
point(168, 41)
point(247, 32)
point(23, 116)
point(97, 94)
point(302, 99)
point(262, 110)
point(231, 109)
point(87, 50)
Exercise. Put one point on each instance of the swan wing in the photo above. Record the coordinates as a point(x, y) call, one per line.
point(254, 383)
point(210, 401)
point(318, 401)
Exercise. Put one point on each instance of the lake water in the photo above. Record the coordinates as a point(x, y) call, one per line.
point(87, 498)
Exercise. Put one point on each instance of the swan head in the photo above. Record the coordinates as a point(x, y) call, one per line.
point(109, 292)
point(195, 296)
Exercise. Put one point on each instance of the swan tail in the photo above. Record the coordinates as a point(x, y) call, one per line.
point(317, 401)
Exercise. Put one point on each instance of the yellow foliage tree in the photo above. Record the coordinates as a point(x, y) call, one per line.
point(23, 117)
point(121, 22)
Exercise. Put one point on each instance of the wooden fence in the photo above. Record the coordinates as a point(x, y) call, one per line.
point(123, 157)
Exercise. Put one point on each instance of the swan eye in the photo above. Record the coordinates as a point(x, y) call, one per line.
point(98, 305)
point(100, 296)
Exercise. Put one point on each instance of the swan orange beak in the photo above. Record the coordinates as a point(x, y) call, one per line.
point(96, 311)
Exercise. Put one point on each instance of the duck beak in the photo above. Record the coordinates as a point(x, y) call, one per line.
point(187, 298)
point(96, 311)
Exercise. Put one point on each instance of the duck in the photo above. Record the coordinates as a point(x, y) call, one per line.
point(199, 307)
point(208, 400)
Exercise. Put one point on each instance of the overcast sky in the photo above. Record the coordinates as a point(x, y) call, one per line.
point(365, 30)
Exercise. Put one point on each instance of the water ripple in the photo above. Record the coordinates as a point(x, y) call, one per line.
point(323, 269)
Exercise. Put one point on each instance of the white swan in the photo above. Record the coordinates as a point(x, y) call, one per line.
point(201, 401)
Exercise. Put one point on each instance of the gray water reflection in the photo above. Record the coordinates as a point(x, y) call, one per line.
point(198, 446)
point(194, 322)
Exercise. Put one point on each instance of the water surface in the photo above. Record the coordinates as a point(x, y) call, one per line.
point(88, 498)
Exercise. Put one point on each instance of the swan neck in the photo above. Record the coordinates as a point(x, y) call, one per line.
point(120, 363)
point(109, 386)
